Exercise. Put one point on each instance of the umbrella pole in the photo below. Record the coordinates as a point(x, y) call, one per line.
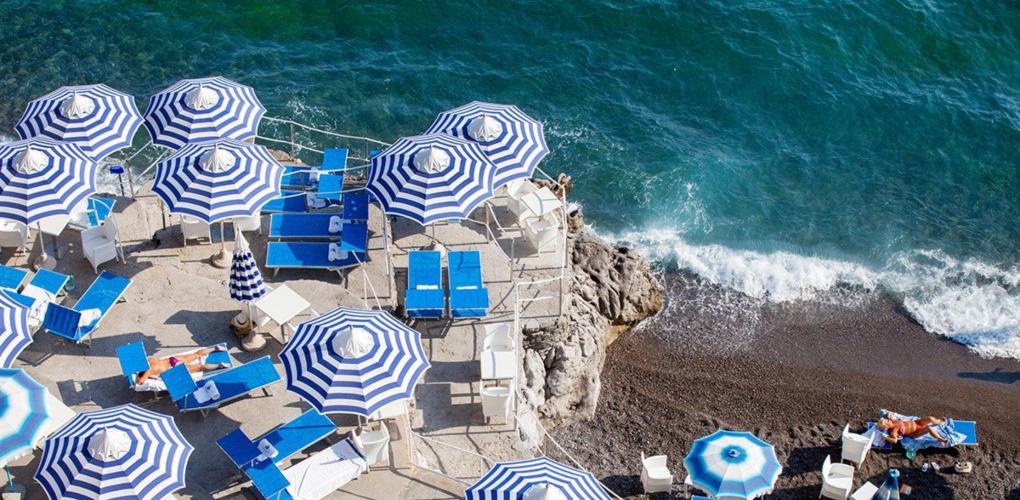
point(221, 259)
point(43, 261)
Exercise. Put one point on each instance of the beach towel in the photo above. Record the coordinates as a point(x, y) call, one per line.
point(336, 224)
point(947, 430)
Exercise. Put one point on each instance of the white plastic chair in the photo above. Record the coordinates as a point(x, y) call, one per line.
point(655, 475)
point(245, 224)
point(542, 232)
point(516, 192)
point(855, 446)
point(497, 401)
point(837, 480)
point(102, 243)
point(498, 336)
point(376, 445)
point(390, 411)
point(13, 234)
point(194, 229)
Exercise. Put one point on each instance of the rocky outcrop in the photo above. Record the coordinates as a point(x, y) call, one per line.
point(610, 286)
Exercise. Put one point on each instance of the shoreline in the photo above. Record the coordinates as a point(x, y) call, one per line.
point(795, 374)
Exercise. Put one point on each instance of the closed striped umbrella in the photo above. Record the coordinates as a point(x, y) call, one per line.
point(24, 413)
point(511, 139)
point(353, 361)
point(14, 332)
point(431, 177)
point(733, 464)
point(42, 178)
point(535, 479)
point(245, 283)
point(218, 180)
point(203, 109)
point(124, 452)
point(98, 118)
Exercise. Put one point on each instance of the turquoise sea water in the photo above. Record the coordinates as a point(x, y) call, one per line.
point(778, 148)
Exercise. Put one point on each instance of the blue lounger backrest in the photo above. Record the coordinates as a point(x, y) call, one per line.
point(356, 206)
point(62, 321)
point(132, 360)
point(424, 267)
point(334, 159)
point(178, 382)
point(354, 237)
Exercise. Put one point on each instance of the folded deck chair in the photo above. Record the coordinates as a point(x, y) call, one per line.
point(305, 226)
point(468, 296)
point(220, 387)
point(350, 251)
point(424, 297)
point(133, 361)
point(288, 201)
point(330, 190)
point(79, 322)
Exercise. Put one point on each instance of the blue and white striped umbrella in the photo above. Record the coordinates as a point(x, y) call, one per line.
point(14, 332)
point(535, 478)
point(124, 452)
point(213, 181)
point(733, 464)
point(42, 178)
point(353, 361)
point(512, 140)
point(24, 413)
point(431, 177)
point(98, 118)
point(203, 109)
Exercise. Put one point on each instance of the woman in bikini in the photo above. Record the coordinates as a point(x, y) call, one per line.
point(897, 428)
point(159, 365)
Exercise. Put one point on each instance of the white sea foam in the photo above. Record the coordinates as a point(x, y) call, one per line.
point(971, 302)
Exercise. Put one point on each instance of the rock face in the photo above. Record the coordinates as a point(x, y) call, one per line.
point(610, 286)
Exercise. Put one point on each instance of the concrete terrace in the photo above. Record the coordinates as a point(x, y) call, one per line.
point(178, 301)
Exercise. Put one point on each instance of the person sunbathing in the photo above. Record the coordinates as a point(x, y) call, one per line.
point(897, 428)
point(159, 365)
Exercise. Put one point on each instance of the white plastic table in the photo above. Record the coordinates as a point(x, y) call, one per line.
point(498, 365)
point(865, 492)
point(282, 305)
point(541, 202)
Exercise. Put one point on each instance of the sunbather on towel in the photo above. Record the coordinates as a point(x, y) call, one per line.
point(898, 428)
point(159, 365)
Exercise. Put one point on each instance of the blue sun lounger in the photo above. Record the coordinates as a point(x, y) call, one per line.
point(133, 360)
point(65, 322)
point(312, 226)
point(303, 226)
point(315, 255)
point(285, 441)
point(221, 387)
point(468, 295)
point(11, 278)
point(288, 201)
point(334, 161)
point(425, 297)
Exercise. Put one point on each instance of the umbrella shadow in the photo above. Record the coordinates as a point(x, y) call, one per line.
point(996, 375)
point(206, 327)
